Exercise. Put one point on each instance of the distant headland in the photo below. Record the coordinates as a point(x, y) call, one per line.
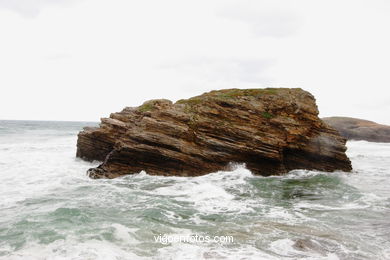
point(359, 129)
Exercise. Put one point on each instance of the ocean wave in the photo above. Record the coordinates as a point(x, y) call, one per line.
point(52, 210)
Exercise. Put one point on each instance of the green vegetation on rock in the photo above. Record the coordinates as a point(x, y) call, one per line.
point(235, 93)
point(146, 107)
point(267, 115)
point(190, 101)
point(228, 94)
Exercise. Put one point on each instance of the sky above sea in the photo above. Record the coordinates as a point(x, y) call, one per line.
point(81, 60)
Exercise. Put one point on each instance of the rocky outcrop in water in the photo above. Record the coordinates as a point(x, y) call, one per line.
point(272, 131)
point(359, 129)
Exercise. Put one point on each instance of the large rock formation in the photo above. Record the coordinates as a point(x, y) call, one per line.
point(359, 129)
point(272, 131)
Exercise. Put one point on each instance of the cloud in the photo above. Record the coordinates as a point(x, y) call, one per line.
point(267, 19)
point(98, 48)
point(228, 70)
point(59, 55)
point(30, 8)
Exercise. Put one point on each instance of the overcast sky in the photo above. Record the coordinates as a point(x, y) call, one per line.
point(83, 59)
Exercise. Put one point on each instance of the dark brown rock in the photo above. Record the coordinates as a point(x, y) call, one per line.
point(359, 129)
point(309, 245)
point(272, 131)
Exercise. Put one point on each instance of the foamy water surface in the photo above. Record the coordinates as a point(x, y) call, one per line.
point(51, 210)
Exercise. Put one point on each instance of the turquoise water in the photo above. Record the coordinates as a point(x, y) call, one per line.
point(49, 208)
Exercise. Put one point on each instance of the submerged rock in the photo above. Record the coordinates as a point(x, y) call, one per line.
point(359, 129)
point(272, 131)
point(309, 245)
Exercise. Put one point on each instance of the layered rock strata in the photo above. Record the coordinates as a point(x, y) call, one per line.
point(271, 131)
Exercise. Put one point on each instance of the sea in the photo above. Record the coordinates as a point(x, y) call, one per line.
point(50, 208)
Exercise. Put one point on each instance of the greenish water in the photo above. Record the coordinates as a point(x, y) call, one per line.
point(51, 210)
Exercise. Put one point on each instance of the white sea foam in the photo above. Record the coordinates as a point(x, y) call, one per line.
point(123, 233)
point(72, 249)
point(189, 252)
point(51, 210)
point(208, 193)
